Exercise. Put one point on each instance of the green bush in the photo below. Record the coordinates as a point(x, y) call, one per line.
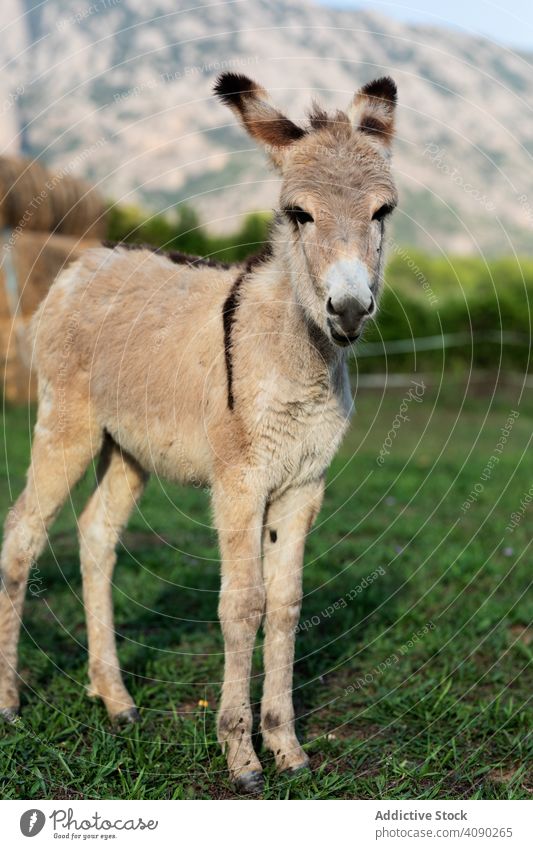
point(182, 231)
point(479, 312)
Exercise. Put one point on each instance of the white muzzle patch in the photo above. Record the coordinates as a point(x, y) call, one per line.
point(349, 278)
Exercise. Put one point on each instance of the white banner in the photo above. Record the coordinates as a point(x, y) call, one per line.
point(247, 823)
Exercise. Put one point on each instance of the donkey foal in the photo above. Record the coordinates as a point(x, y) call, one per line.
point(235, 376)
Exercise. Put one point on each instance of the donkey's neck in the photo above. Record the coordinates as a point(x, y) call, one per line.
point(269, 279)
point(280, 326)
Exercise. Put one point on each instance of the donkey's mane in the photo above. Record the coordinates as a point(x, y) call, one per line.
point(174, 256)
point(338, 122)
point(180, 258)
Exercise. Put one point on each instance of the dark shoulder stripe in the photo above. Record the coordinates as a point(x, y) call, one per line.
point(228, 318)
point(229, 313)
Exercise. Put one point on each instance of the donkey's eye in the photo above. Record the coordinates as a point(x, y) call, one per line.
point(298, 215)
point(382, 212)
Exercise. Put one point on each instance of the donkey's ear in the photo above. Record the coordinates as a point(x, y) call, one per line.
point(373, 109)
point(260, 119)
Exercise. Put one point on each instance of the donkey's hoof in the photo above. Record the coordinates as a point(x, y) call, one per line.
point(127, 717)
point(9, 714)
point(302, 769)
point(296, 771)
point(250, 783)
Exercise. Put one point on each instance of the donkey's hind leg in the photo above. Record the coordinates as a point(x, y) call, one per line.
point(120, 485)
point(59, 457)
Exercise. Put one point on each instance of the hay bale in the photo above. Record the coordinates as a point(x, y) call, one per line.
point(83, 211)
point(33, 198)
point(21, 204)
point(41, 214)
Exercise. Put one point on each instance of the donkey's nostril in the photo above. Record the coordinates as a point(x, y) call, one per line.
point(350, 309)
point(330, 308)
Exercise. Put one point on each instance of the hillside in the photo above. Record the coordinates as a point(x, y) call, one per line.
point(122, 96)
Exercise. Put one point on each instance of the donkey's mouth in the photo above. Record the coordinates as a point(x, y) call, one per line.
point(342, 339)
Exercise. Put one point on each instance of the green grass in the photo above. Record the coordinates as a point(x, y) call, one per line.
point(446, 717)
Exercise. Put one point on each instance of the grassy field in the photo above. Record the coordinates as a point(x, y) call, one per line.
point(412, 676)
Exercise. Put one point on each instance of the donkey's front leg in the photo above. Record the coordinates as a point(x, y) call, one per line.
point(239, 518)
point(288, 521)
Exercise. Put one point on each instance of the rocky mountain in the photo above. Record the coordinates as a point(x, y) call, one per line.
point(119, 91)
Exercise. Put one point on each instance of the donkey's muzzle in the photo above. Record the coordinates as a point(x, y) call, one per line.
point(346, 317)
point(350, 301)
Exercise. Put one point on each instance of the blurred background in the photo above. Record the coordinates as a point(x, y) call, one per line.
point(411, 678)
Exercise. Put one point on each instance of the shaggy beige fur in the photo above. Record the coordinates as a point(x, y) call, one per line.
point(234, 376)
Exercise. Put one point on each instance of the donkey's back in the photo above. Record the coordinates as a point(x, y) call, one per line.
point(121, 324)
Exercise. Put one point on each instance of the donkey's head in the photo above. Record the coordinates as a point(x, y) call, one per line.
point(336, 193)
